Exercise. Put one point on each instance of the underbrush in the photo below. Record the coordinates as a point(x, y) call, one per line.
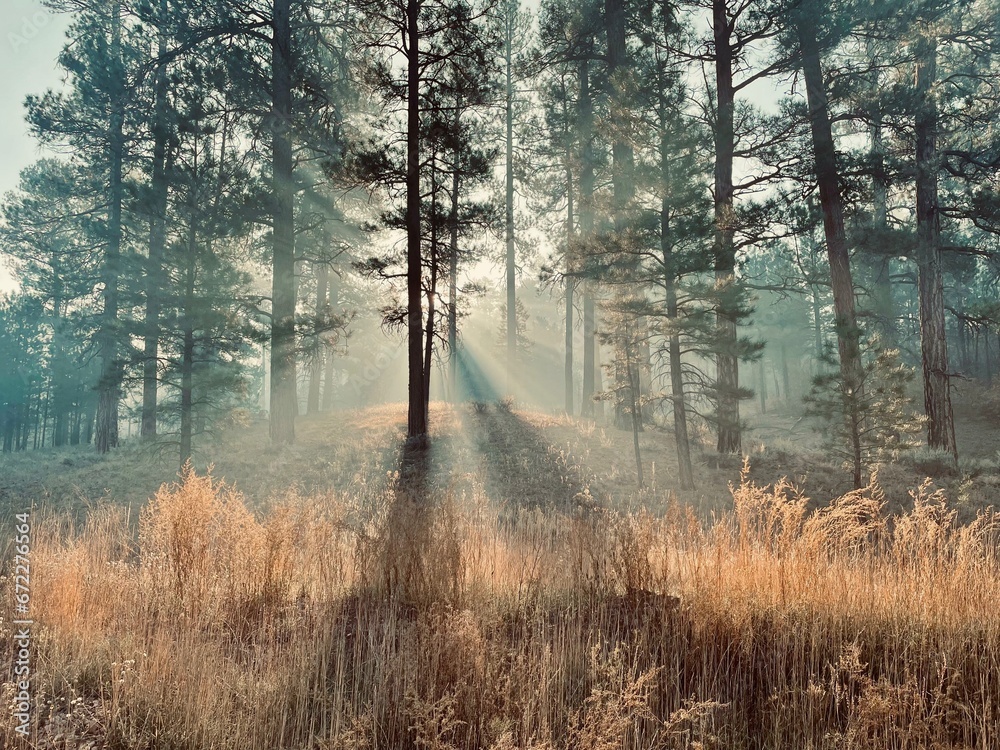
point(420, 620)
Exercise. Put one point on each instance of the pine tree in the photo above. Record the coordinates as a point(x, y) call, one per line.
point(875, 422)
point(47, 235)
point(201, 330)
point(97, 116)
point(434, 35)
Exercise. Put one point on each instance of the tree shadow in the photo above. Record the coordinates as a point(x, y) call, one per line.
point(414, 469)
point(420, 560)
point(523, 470)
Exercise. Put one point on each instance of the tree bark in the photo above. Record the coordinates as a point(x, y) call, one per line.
point(316, 368)
point(157, 244)
point(432, 290)
point(112, 371)
point(417, 418)
point(284, 401)
point(885, 312)
point(618, 63)
point(59, 367)
point(833, 223)
point(81, 395)
point(90, 419)
point(40, 438)
point(187, 346)
point(685, 472)
point(453, 268)
point(622, 167)
point(331, 301)
point(429, 344)
point(509, 204)
point(930, 280)
point(25, 423)
point(570, 287)
point(633, 389)
point(587, 181)
point(727, 362)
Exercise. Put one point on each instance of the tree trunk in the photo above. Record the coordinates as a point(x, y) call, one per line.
point(60, 419)
point(429, 346)
point(90, 418)
point(509, 204)
point(622, 418)
point(817, 324)
point(74, 437)
point(590, 354)
point(157, 244)
point(432, 291)
point(885, 312)
point(331, 301)
point(40, 438)
point(622, 165)
point(685, 472)
point(598, 370)
point(59, 369)
point(727, 362)
point(570, 287)
point(633, 389)
point(284, 401)
point(933, 338)
point(586, 128)
point(453, 270)
point(833, 223)
point(187, 348)
point(316, 365)
point(417, 419)
point(644, 371)
point(621, 150)
point(112, 370)
point(8, 421)
point(962, 333)
point(24, 423)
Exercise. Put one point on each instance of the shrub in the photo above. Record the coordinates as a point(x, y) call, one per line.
point(876, 422)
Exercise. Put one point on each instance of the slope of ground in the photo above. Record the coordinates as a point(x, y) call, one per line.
point(529, 458)
point(498, 590)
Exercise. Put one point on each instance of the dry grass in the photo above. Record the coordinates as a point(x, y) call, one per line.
point(411, 611)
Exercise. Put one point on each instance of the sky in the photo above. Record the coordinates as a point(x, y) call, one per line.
point(31, 37)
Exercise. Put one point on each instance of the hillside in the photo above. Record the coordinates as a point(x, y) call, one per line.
point(552, 458)
point(509, 588)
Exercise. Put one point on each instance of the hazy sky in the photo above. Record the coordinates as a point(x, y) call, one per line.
point(30, 39)
point(29, 44)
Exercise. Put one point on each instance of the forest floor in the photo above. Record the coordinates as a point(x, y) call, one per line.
point(565, 456)
point(509, 587)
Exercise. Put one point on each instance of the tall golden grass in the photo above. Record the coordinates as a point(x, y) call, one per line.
point(405, 621)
